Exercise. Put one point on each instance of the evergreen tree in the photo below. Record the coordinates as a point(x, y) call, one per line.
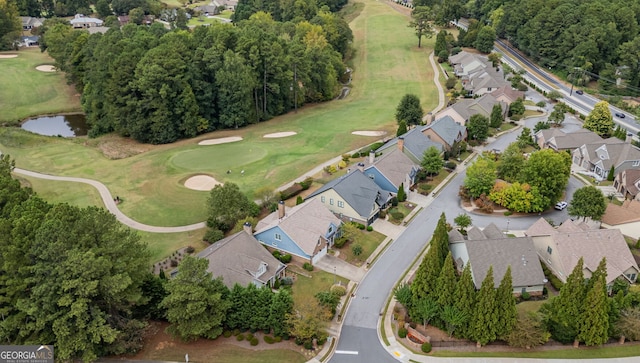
point(424, 283)
point(402, 128)
point(563, 311)
point(465, 299)
point(402, 196)
point(497, 118)
point(441, 42)
point(484, 325)
point(409, 110)
point(593, 325)
point(447, 283)
point(281, 306)
point(441, 237)
point(506, 305)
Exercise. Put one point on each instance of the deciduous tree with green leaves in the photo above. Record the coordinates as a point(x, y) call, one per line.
point(481, 176)
point(549, 172)
point(422, 16)
point(409, 110)
point(516, 107)
point(462, 221)
point(432, 162)
point(497, 118)
point(453, 318)
point(485, 39)
point(510, 163)
point(402, 128)
point(227, 205)
point(557, 115)
point(599, 120)
point(478, 127)
point(588, 202)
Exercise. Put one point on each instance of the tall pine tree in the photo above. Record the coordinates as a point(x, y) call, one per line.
point(563, 312)
point(447, 283)
point(465, 299)
point(593, 326)
point(506, 305)
point(484, 324)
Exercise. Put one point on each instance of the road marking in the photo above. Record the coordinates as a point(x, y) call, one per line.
point(398, 354)
point(352, 352)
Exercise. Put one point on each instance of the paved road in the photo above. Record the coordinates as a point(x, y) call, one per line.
point(107, 198)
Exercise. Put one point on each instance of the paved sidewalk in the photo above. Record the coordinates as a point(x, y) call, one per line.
point(340, 267)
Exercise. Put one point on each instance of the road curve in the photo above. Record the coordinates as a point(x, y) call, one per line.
point(111, 206)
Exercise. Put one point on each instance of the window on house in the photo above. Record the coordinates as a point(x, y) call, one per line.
point(331, 201)
point(549, 249)
point(322, 199)
point(330, 229)
point(340, 204)
point(371, 176)
point(278, 237)
point(632, 277)
point(636, 163)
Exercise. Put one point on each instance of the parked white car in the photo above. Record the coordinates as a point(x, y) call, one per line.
point(561, 205)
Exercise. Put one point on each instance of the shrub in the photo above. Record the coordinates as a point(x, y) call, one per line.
point(174, 263)
point(330, 169)
point(291, 191)
point(236, 332)
point(213, 235)
point(425, 187)
point(307, 266)
point(397, 215)
point(189, 249)
point(227, 333)
point(402, 332)
point(276, 254)
point(276, 285)
point(339, 243)
point(342, 164)
point(525, 296)
point(413, 324)
point(322, 340)
point(455, 50)
point(278, 339)
point(360, 226)
point(254, 341)
point(426, 347)
point(394, 201)
point(285, 258)
point(356, 249)
point(268, 339)
point(450, 165)
point(286, 281)
point(299, 200)
point(338, 290)
point(249, 336)
point(239, 337)
point(508, 213)
point(451, 82)
point(305, 184)
point(370, 228)
point(308, 344)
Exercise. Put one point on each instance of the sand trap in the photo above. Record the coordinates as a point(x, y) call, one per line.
point(46, 68)
point(201, 182)
point(280, 134)
point(222, 140)
point(369, 133)
point(7, 56)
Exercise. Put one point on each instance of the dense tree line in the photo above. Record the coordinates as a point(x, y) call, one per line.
point(285, 10)
point(158, 86)
point(598, 36)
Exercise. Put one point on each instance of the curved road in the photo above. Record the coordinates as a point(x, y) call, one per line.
point(107, 198)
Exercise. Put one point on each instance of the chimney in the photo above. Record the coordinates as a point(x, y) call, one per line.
point(401, 143)
point(247, 228)
point(361, 167)
point(372, 156)
point(280, 209)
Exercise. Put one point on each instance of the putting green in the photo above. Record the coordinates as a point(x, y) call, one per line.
point(212, 158)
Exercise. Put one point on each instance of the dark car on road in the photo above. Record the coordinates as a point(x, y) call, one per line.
point(580, 92)
point(620, 115)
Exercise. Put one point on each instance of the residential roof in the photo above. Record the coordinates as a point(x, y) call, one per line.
point(415, 143)
point(632, 181)
point(207, 9)
point(446, 127)
point(612, 152)
point(628, 212)
point(31, 21)
point(238, 258)
point(572, 140)
point(482, 105)
point(507, 91)
point(305, 224)
point(358, 190)
point(573, 242)
point(82, 19)
point(395, 166)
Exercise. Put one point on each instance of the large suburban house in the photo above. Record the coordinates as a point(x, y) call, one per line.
point(599, 157)
point(391, 170)
point(241, 259)
point(413, 143)
point(81, 21)
point(477, 74)
point(507, 94)
point(353, 197)
point(627, 183)
point(305, 231)
point(561, 248)
point(29, 22)
point(445, 131)
point(626, 218)
point(559, 140)
point(462, 110)
point(490, 247)
point(227, 4)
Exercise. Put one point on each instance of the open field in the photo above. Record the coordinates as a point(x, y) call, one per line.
point(387, 64)
point(78, 194)
point(25, 92)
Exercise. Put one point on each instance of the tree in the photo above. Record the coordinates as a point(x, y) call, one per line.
point(510, 163)
point(10, 25)
point(600, 120)
point(432, 162)
point(446, 283)
point(528, 332)
point(409, 110)
point(485, 39)
point(593, 325)
point(227, 205)
point(462, 221)
point(481, 176)
point(402, 293)
point(495, 59)
point(478, 127)
point(506, 306)
point(426, 309)
point(557, 115)
point(516, 107)
point(612, 173)
point(281, 306)
point(453, 318)
point(588, 202)
point(525, 139)
point(402, 128)
point(497, 118)
point(308, 320)
point(195, 304)
point(103, 9)
point(484, 324)
point(465, 299)
point(554, 95)
point(441, 42)
point(629, 323)
point(421, 23)
point(549, 172)
point(402, 196)
point(563, 312)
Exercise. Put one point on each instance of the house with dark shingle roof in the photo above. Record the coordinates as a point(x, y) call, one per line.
point(599, 157)
point(490, 247)
point(627, 183)
point(626, 218)
point(390, 170)
point(413, 143)
point(353, 197)
point(462, 110)
point(305, 231)
point(445, 131)
point(29, 22)
point(507, 94)
point(241, 259)
point(559, 140)
point(561, 248)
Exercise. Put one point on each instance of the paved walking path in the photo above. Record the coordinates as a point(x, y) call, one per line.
point(436, 80)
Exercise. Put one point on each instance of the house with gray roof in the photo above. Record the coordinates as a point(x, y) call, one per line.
point(83, 21)
point(507, 94)
point(413, 143)
point(445, 131)
point(627, 183)
point(241, 259)
point(559, 140)
point(561, 248)
point(490, 247)
point(353, 197)
point(29, 22)
point(599, 157)
point(462, 110)
point(390, 170)
point(305, 231)
point(477, 74)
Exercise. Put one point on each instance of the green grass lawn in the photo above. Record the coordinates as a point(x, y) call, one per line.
point(226, 353)
point(583, 352)
point(162, 245)
point(78, 194)
point(529, 306)
point(25, 91)
point(531, 113)
point(387, 65)
point(196, 21)
point(369, 242)
point(305, 288)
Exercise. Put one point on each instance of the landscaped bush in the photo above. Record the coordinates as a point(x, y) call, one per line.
point(425, 187)
point(189, 249)
point(426, 347)
point(402, 332)
point(240, 337)
point(174, 263)
point(450, 165)
point(227, 333)
point(508, 213)
point(254, 341)
point(307, 266)
point(525, 296)
point(370, 228)
point(322, 340)
point(360, 226)
point(413, 324)
point(236, 332)
point(276, 254)
point(213, 235)
point(305, 184)
point(268, 339)
point(555, 282)
point(397, 215)
point(249, 336)
point(291, 191)
point(278, 339)
point(286, 281)
point(285, 258)
point(394, 202)
point(308, 344)
point(276, 285)
point(338, 290)
point(339, 243)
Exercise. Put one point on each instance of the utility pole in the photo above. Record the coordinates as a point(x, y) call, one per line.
point(573, 73)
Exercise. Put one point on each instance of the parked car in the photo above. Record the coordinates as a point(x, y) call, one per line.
point(620, 115)
point(561, 205)
point(580, 92)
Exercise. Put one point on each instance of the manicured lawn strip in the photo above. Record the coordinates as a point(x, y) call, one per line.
point(25, 91)
point(369, 242)
point(305, 288)
point(77, 194)
point(227, 353)
point(197, 21)
point(529, 306)
point(161, 245)
point(626, 350)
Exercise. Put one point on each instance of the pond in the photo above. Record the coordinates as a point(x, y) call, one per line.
point(58, 125)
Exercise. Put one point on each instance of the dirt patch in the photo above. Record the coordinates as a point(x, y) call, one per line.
point(369, 133)
point(201, 182)
point(7, 56)
point(115, 147)
point(221, 140)
point(280, 134)
point(46, 68)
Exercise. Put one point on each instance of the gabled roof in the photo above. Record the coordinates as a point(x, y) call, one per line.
point(631, 180)
point(415, 143)
point(305, 224)
point(611, 152)
point(507, 91)
point(573, 242)
point(482, 105)
point(489, 78)
point(31, 21)
point(238, 258)
point(395, 166)
point(358, 190)
point(540, 228)
point(628, 212)
point(572, 140)
point(447, 129)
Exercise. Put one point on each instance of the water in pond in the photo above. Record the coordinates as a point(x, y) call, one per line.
point(63, 125)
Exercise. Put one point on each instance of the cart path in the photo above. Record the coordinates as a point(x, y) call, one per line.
point(110, 204)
